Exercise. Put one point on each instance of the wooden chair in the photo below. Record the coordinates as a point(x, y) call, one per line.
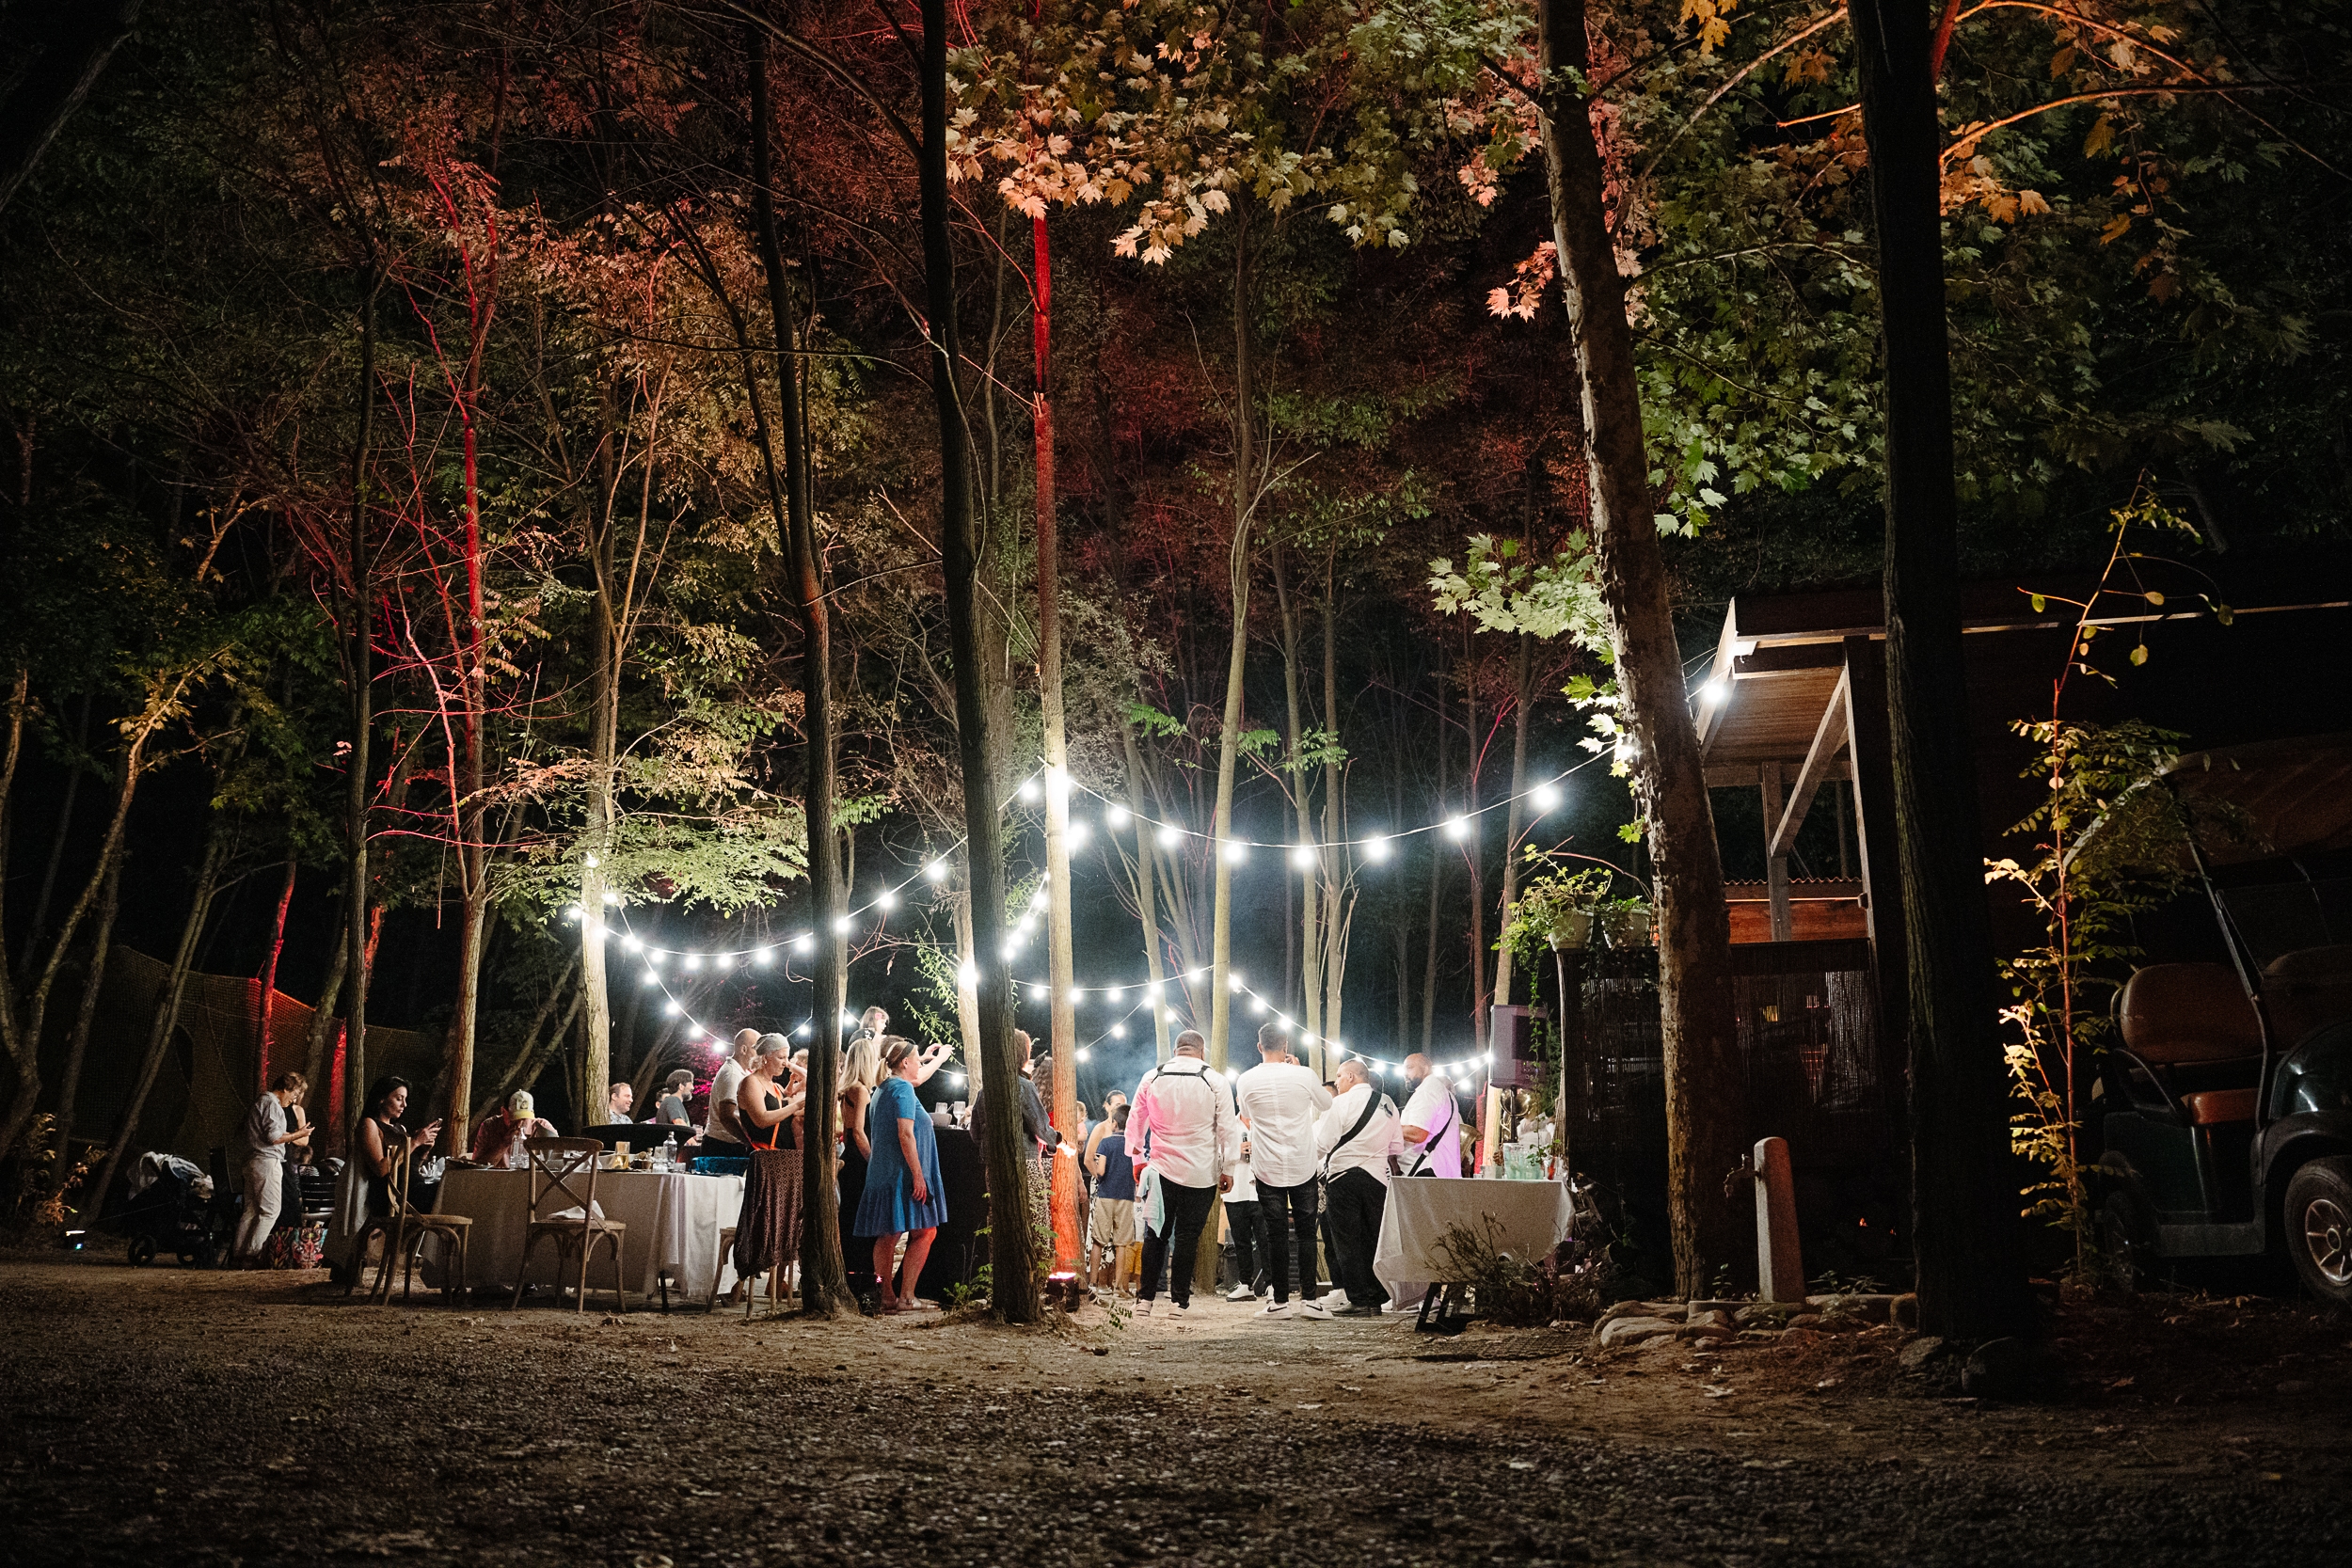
point(556, 1164)
point(405, 1230)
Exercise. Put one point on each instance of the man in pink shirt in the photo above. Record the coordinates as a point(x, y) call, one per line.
point(1180, 1131)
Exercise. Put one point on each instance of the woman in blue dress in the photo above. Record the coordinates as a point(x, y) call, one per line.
point(903, 1192)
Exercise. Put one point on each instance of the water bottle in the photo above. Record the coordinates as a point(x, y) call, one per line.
point(669, 1153)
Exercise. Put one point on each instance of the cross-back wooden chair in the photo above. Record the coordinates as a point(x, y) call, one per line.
point(557, 1166)
point(405, 1232)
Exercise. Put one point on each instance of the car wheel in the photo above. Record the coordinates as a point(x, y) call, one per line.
point(2319, 1227)
point(2127, 1235)
point(142, 1251)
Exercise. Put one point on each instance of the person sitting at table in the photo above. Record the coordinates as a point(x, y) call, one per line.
point(903, 1196)
point(764, 1105)
point(619, 1100)
point(500, 1138)
point(671, 1110)
point(364, 1191)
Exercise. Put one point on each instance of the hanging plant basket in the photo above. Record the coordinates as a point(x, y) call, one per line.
point(1571, 929)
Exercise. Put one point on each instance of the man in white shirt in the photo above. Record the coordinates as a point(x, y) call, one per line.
point(1180, 1131)
point(266, 1135)
point(721, 1134)
point(1279, 1102)
point(1432, 1122)
point(1356, 1140)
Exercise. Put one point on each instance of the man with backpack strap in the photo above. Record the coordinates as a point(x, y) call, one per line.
point(1183, 1132)
point(1432, 1122)
point(1356, 1140)
point(1279, 1101)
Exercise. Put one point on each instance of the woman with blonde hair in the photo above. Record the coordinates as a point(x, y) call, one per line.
point(861, 1073)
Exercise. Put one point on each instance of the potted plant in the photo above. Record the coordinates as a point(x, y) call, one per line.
point(1556, 911)
point(1626, 922)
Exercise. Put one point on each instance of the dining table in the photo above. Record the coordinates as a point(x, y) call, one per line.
point(670, 1249)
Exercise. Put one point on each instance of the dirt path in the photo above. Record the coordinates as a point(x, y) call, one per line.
point(163, 1416)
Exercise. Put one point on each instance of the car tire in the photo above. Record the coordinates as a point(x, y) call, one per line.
point(2317, 1224)
point(142, 1251)
point(2127, 1236)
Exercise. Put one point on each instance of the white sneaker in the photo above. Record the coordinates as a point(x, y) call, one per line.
point(1239, 1293)
point(1315, 1310)
point(1143, 1308)
point(1274, 1310)
point(1401, 1308)
point(1179, 1308)
point(1335, 1299)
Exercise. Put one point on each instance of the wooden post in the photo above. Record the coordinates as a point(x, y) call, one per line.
point(1779, 1260)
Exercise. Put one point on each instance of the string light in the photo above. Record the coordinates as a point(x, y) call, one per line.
point(1116, 814)
point(935, 873)
point(1235, 851)
point(1170, 835)
point(885, 900)
point(1303, 856)
point(1545, 798)
point(1458, 827)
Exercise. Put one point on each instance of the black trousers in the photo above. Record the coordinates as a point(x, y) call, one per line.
point(1357, 1199)
point(1291, 1210)
point(1187, 1211)
point(1247, 1221)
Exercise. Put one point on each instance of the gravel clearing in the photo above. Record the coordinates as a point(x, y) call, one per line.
point(166, 1416)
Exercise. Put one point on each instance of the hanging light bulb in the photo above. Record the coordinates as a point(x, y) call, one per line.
point(672, 1007)
point(1078, 996)
point(1256, 1003)
point(1084, 1055)
point(651, 978)
point(1545, 797)
point(1076, 838)
point(1116, 814)
point(610, 898)
point(1235, 851)
point(803, 1030)
point(1010, 950)
point(1170, 835)
point(571, 911)
point(764, 955)
point(631, 942)
point(803, 943)
point(1377, 850)
point(1303, 856)
point(693, 961)
point(841, 925)
point(968, 974)
point(956, 1078)
point(1039, 993)
point(885, 900)
point(849, 1018)
point(1029, 791)
point(935, 872)
point(1458, 827)
point(1118, 1030)
point(1714, 692)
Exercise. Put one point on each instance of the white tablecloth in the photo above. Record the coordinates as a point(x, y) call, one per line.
point(674, 1222)
point(1526, 1219)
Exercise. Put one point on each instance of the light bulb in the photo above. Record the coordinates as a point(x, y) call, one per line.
point(631, 942)
point(1256, 1003)
point(1170, 835)
point(935, 872)
point(1303, 856)
point(1039, 993)
point(1009, 951)
point(956, 1079)
point(1078, 996)
point(763, 956)
point(651, 978)
point(849, 1018)
point(1281, 1022)
point(1714, 692)
point(1377, 850)
point(1077, 835)
point(693, 961)
point(803, 943)
point(968, 974)
point(1456, 827)
point(672, 1007)
point(1116, 814)
point(885, 900)
point(803, 1030)
point(1083, 1053)
point(611, 898)
point(841, 925)
point(1546, 798)
point(1118, 1030)
point(1029, 791)
point(1235, 851)
point(571, 911)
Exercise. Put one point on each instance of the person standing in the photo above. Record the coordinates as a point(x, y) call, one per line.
point(722, 1135)
point(1280, 1101)
point(1112, 1222)
point(1356, 1140)
point(266, 1136)
point(902, 1197)
point(1182, 1133)
point(1432, 1122)
point(861, 1075)
point(1245, 1225)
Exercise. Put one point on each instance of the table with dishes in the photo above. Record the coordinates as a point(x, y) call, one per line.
point(674, 1219)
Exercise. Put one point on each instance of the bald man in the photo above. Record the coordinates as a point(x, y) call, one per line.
point(1181, 1130)
point(723, 1136)
point(1432, 1122)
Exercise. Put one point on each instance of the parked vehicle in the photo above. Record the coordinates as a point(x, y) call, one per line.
point(2226, 1107)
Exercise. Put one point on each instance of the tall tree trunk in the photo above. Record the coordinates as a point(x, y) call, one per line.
point(1310, 927)
point(1492, 1121)
point(1061, 973)
point(1972, 1281)
point(78, 1048)
point(968, 988)
point(1436, 888)
point(1012, 1260)
point(362, 661)
point(70, 45)
point(1475, 847)
point(167, 1008)
point(824, 1286)
point(1703, 1077)
point(57, 848)
point(317, 1060)
point(265, 984)
point(1335, 872)
point(1147, 898)
point(1223, 841)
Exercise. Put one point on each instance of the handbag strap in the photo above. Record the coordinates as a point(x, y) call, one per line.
point(1421, 1161)
point(1374, 1100)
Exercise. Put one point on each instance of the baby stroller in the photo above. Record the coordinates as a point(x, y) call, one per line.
point(170, 1210)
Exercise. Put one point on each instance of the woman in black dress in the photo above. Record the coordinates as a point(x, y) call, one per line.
point(859, 1073)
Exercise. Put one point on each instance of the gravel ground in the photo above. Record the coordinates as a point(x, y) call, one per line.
point(165, 1415)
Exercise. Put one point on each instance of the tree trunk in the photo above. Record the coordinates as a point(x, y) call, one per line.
point(57, 848)
point(824, 1288)
point(316, 1060)
point(1972, 1282)
point(361, 659)
point(1147, 896)
point(167, 1010)
point(1336, 873)
point(1436, 888)
point(1013, 1267)
point(1703, 1126)
point(93, 977)
point(1491, 1122)
point(1310, 927)
point(1474, 848)
point(1061, 973)
point(265, 1004)
point(1222, 839)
